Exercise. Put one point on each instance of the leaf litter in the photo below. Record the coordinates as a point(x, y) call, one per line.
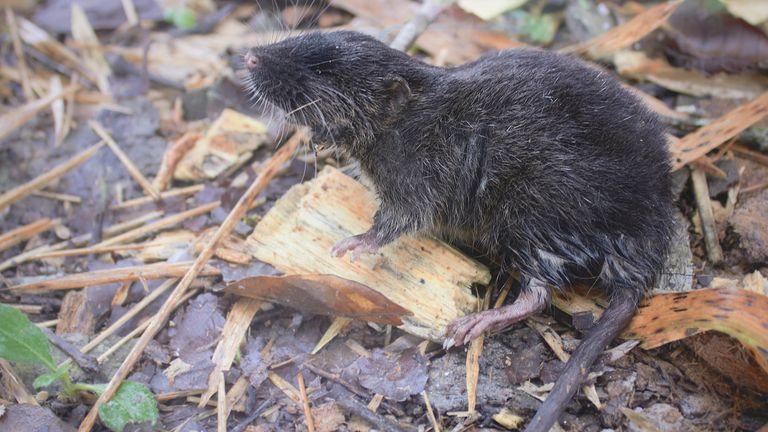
point(176, 112)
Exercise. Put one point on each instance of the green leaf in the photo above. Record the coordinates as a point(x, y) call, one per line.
point(21, 341)
point(133, 403)
point(47, 379)
point(184, 19)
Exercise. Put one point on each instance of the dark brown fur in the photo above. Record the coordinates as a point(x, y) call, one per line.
point(529, 154)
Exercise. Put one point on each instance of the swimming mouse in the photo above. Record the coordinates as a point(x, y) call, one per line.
point(531, 155)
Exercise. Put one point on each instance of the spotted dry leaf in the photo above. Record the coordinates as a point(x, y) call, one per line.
point(628, 33)
point(698, 143)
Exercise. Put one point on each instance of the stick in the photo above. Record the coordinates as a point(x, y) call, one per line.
point(20, 234)
point(18, 49)
point(39, 182)
point(305, 403)
point(100, 277)
point(159, 225)
point(701, 192)
point(132, 170)
point(138, 307)
point(427, 13)
point(269, 170)
point(189, 190)
point(58, 196)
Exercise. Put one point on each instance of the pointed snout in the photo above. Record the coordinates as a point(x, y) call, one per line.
point(251, 61)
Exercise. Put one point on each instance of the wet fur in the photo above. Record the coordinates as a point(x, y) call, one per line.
point(532, 155)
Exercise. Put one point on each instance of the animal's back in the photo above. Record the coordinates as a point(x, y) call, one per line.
point(575, 181)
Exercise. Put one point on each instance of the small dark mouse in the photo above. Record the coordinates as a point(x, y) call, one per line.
point(528, 154)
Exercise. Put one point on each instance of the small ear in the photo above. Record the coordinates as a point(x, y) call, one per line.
point(398, 91)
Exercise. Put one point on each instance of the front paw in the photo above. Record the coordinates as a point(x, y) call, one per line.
point(357, 245)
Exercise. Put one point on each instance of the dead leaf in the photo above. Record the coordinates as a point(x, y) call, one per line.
point(396, 375)
point(700, 142)
point(713, 41)
point(638, 65)
point(322, 294)
point(628, 33)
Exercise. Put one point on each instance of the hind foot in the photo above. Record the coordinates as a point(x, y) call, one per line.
point(532, 300)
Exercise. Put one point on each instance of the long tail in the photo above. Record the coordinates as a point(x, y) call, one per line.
point(618, 314)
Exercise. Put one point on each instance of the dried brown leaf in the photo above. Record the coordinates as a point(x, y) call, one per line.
point(322, 294)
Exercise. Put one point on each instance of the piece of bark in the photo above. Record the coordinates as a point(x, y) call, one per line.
point(230, 137)
point(422, 275)
point(76, 315)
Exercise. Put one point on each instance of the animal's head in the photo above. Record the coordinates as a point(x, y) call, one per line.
point(344, 85)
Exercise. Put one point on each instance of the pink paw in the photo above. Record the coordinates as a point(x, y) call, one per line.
point(357, 245)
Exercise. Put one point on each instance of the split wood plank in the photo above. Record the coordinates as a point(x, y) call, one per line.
point(425, 276)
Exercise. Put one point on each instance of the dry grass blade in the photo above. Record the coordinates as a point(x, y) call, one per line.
point(473, 360)
point(100, 277)
point(172, 157)
point(232, 334)
point(269, 170)
point(18, 50)
point(83, 32)
point(126, 161)
point(138, 307)
point(338, 324)
point(15, 384)
point(708, 225)
point(74, 199)
point(305, 403)
point(287, 388)
point(25, 232)
point(700, 142)
point(36, 37)
point(161, 224)
point(20, 192)
point(189, 190)
point(430, 412)
point(627, 33)
point(16, 118)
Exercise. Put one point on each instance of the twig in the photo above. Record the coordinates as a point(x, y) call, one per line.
point(427, 13)
point(140, 328)
point(25, 232)
point(15, 383)
point(430, 413)
point(166, 222)
point(221, 406)
point(85, 362)
point(349, 386)
point(253, 416)
point(20, 192)
point(132, 170)
point(100, 277)
point(130, 13)
point(41, 251)
point(58, 196)
point(189, 190)
point(268, 172)
point(138, 307)
point(171, 158)
point(347, 401)
point(708, 226)
point(750, 154)
point(305, 403)
point(18, 49)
